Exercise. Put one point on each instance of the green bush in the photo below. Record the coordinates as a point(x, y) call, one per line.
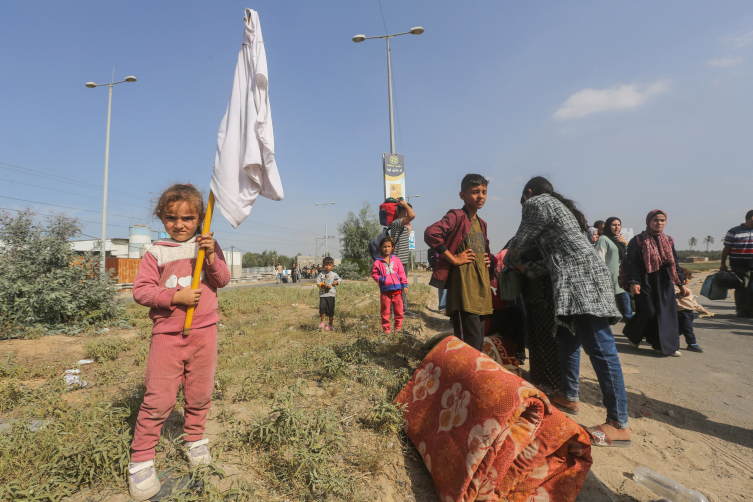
point(43, 281)
point(350, 271)
point(105, 348)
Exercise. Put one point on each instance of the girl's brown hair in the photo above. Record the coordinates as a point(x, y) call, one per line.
point(387, 239)
point(180, 193)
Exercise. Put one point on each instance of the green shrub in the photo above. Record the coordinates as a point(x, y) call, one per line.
point(105, 348)
point(76, 449)
point(44, 281)
point(349, 271)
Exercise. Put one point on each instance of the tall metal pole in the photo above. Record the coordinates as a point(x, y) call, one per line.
point(389, 85)
point(326, 232)
point(104, 190)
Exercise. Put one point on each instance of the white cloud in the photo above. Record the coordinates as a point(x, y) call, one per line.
point(619, 97)
point(744, 40)
point(725, 61)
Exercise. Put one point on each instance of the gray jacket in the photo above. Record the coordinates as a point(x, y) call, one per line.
point(582, 282)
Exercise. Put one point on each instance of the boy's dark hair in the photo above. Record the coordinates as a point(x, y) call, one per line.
point(180, 193)
point(328, 260)
point(749, 215)
point(539, 185)
point(687, 273)
point(472, 180)
point(598, 223)
point(387, 239)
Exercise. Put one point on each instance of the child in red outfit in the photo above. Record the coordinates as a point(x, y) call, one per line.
point(389, 273)
point(163, 283)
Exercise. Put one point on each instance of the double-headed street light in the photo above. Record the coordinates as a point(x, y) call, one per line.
point(92, 85)
point(360, 38)
point(326, 233)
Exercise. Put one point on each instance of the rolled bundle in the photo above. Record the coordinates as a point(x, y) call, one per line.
point(486, 434)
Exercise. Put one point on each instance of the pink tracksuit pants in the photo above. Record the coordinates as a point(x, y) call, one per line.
point(394, 298)
point(175, 359)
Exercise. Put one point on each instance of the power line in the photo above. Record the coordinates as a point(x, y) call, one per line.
point(61, 179)
point(83, 221)
point(71, 193)
point(382, 12)
point(397, 110)
point(66, 207)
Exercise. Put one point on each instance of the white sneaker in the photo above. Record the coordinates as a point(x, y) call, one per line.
point(197, 453)
point(676, 354)
point(634, 345)
point(143, 482)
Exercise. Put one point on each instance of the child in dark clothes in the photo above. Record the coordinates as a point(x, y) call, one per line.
point(686, 306)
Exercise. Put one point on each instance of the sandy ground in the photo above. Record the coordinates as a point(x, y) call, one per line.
point(699, 428)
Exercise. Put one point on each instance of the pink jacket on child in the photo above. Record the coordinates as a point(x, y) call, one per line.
point(166, 268)
point(389, 277)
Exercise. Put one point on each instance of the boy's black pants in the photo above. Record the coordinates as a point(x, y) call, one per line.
point(685, 321)
point(469, 328)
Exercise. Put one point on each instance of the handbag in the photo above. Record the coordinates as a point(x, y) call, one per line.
point(711, 290)
point(509, 284)
point(727, 280)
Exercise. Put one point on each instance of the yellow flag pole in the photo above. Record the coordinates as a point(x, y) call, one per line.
point(199, 262)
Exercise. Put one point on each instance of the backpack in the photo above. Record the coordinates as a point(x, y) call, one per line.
point(374, 244)
point(387, 213)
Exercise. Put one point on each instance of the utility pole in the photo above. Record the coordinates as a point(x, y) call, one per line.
point(232, 258)
point(93, 85)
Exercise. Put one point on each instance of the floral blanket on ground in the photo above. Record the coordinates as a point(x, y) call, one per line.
point(486, 434)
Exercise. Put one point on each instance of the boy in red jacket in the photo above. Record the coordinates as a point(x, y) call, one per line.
point(465, 263)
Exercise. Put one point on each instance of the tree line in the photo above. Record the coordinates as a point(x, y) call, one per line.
point(268, 259)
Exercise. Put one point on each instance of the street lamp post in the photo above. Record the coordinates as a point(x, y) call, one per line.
point(417, 30)
point(326, 233)
point(407, 197)
point(103, 252)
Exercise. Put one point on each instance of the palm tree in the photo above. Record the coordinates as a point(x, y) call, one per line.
point(693, 242)
point(708, 240)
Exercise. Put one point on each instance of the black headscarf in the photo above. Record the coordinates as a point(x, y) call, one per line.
point(621, 248)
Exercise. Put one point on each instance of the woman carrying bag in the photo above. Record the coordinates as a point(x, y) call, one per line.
point(651, 272)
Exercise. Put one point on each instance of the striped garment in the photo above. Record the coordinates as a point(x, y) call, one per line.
point(167, 267)
point(400, 234)
point(740, 240)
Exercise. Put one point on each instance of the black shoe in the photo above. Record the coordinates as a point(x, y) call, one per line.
point(740, 314)
point(695, 348)
point(409, 313)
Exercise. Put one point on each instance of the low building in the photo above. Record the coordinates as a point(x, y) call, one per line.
point(308, 261)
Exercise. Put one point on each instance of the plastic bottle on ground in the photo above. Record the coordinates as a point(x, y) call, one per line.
point(666, 487)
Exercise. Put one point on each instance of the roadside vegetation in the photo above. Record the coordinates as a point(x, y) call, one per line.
point(298, 414)
point(45, 286)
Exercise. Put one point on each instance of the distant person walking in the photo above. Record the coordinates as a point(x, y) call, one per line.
point(738, 246)
point(584, 303)
point(280, 271)
point(612, 247)
point(651, 271)
point(400, 229)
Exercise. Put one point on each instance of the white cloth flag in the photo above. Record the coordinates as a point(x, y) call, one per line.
point(244, 165)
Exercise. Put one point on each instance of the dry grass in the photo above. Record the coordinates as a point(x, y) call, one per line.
point(298, 414)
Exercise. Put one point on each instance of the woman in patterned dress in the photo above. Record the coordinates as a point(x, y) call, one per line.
point(583, 303)
point(538, 295)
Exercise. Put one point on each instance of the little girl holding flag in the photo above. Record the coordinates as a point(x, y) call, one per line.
point(163, 283)
point(244, 168)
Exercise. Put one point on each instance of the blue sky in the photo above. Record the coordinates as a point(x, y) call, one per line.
point(626, 106)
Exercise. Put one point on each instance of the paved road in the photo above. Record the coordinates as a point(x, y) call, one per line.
point(718, 381)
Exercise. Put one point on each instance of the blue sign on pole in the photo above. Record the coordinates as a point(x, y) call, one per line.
point(412, 240)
